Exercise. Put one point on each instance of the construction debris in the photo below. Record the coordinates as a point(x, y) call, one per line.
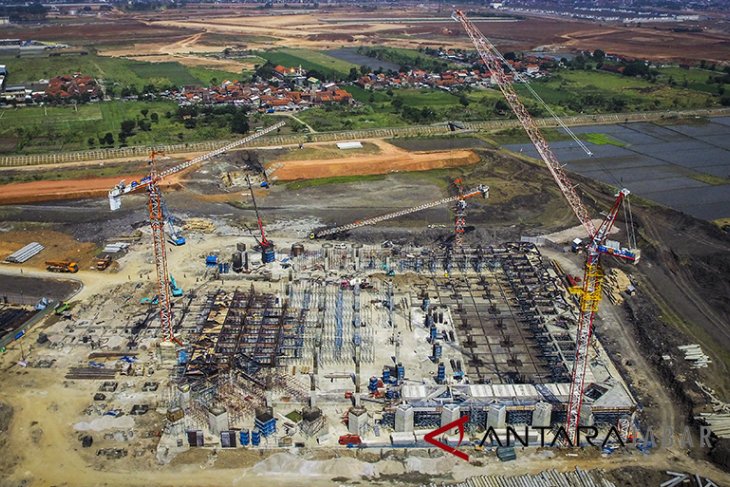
point(693, 353)
point(199, 224)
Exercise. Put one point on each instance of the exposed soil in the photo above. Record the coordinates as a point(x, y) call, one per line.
point(395, 161)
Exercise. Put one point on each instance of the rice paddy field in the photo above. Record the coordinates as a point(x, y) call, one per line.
point(684, 166)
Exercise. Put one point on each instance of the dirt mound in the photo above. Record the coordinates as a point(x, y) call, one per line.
point(397, 161)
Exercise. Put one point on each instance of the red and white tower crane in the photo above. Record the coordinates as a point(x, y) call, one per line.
point(157, 224)
point(597, 245)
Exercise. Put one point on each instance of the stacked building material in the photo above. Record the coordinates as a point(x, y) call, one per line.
point(22, 255)
point(693, 353)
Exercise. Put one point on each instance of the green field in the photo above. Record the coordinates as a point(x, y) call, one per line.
point(696, 78)
point(44, 129)
point(111, 71)
point(341, 118)
point(574, 92)
point(308, 60)
point(601, 139)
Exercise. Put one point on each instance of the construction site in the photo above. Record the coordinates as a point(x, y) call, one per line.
point(310, 349)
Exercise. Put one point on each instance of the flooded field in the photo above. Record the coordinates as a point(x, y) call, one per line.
point(684, 166)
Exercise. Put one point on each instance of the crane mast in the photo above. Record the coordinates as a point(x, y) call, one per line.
point(593, 273)
point(157, 224)
point(480, 190)
point(268, 253)
point(460, 216)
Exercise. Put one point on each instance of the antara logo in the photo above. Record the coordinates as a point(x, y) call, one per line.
point(560, 437)
point(431, 437)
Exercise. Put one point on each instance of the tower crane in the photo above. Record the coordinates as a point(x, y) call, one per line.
point(480, 190)
point(268, 253)
point(597, 244)
point(158, 220)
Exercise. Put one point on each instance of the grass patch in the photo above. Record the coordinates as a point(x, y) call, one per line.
point(518, 136)
point(709, 179)
point(309, 60)
point(42, 129)
point(314, 183)
point(164, 73)
point(601, 139)
point(343, 118)
point(326, 152)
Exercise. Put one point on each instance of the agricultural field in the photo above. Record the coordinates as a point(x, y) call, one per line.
point(309, 60)
point(111, 71)
point(573, 92)
point(43, 129)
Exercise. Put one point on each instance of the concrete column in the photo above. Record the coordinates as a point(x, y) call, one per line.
point(497, 416)
point(542, 414)
point(449, 414)
point(404, 418)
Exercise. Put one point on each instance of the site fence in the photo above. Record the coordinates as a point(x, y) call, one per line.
point(300, 138)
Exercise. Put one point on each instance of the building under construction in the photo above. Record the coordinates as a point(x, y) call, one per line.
point(410, 339)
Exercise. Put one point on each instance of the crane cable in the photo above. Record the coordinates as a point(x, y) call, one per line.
point(628, 219)
point(524, 80)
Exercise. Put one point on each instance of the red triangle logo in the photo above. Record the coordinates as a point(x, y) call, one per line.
point(430, 437)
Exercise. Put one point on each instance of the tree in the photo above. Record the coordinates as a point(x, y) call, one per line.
point(154, 117)
point(91, 142)
point(239, 124)
point(599, 55)
point(464, 100)
point(144, 112)
point(397, 103)
point(128, 126)
point(353, 74)
point(108, 139)
point(500, 106)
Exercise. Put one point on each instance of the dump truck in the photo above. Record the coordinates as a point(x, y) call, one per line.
point(103, 262)
point(62, 266)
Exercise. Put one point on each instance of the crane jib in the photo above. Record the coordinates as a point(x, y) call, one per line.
point(122, 188)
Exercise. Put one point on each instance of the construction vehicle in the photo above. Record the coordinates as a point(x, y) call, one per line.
point(61, 308)
point(153, 300)
point(176, 291)
point(480, 190)
point(62, 266)
point(268, 251)
point(173, 235)
point(103, 262)
point(158, 219)
point(596, 245)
